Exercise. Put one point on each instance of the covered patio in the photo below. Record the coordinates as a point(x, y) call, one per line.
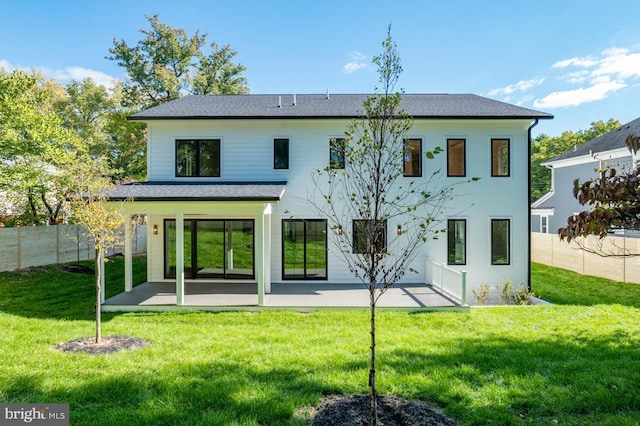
point(161, 296)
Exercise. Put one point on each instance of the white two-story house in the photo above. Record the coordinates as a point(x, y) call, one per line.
point(229, 178)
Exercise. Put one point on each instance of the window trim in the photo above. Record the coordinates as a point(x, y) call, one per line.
point(464, 157)
point(464, 255)
point(197, 166)
point(274, 153)
point(494, 220)
point(340, 143)
point(326, 253)
point(493, 172)
point(354, 235)
point(404, 153)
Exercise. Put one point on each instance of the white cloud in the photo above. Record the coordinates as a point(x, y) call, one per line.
point(597, 91)
point(358, 61)
point(66, 74)
point(577, 77)
point(521, 86)
point(576, 62)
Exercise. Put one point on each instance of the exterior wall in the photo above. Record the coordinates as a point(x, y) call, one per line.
point(247, 155)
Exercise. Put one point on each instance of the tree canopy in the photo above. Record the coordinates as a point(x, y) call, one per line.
point(168, 63)
point(545, 147)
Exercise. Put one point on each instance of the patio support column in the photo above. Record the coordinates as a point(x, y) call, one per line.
point(267, 248)
point(179, 258)
point(260, 258)
point(128, 254)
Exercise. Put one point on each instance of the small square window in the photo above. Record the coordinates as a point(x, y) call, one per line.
point(412, 157)
point(280, 154)
point(456, 157)
point(336, 153)
point(500, 157)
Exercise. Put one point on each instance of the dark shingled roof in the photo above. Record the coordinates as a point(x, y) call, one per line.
point(335, 106)
point(198, 191)
point(613, 140)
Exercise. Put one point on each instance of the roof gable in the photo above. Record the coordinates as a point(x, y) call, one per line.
point(330, 106)
point(614, 139)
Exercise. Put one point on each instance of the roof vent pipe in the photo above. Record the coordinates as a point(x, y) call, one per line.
point(294, 99)
point(279, 101)
point(327, 93)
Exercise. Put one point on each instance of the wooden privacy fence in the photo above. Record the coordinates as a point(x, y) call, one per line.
point(45, 245)
point(549, 250)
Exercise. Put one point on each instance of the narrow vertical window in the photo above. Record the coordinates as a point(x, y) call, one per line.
point(456, 157)
point(368, 234)
point(336, 153)
point(543, 224)
point(500, 157)
point(500, 244)
point(457, 242)
point(412, 157)
point(280, 154)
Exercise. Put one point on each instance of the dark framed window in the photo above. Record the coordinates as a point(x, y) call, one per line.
point(412, 158)
point(280, 154)
point(457, 241)
point(456, 157)
point(544, 220)
point(500, 157)
point(304, 249)
point(368, 234)
point(500, 241)
point(336, 153)
point(198, 158)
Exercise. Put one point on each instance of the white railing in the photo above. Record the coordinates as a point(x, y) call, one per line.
point(448, 281)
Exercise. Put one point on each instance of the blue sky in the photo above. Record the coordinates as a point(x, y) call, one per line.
point(576, 59)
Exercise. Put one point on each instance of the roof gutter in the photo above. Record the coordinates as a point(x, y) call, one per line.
point(534, 124)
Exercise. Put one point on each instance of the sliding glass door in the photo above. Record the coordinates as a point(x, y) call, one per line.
point(304, 249)
point(213, 248)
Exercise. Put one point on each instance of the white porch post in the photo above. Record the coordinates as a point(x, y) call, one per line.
point(260, 258)
point(179, 258)
point(266, 248)
point(128, 254)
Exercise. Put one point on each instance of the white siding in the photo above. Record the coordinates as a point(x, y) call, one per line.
point(247, 155)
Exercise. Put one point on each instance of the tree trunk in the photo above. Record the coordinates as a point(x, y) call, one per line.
point(99, 272)
point(372, 361)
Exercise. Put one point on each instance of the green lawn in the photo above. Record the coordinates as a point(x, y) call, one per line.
point(534, 365)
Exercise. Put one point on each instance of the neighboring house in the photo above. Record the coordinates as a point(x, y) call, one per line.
point(229, 178)
point(551, 211)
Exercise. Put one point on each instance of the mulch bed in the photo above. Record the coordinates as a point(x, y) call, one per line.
point(392, 411)
point(108, 345)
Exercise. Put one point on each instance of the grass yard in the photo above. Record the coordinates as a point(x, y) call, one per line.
point(535, 365)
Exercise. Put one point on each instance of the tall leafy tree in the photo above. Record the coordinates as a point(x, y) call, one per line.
point(168, 62)
point(360, 199)
point(546, 147)
point(35, 147)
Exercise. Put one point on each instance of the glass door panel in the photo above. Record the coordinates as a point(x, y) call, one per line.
point(209, 248)
point(239, 248)
point(293, 248)
point(170, 249)
point(316, 254)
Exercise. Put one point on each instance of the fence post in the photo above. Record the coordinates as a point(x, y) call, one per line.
point(463, 299)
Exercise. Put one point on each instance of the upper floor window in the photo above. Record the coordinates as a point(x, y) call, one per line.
point(412, 157)
point(500, 157)
point(456, 157)
point(500, 241)
point(198, 158)
point(281, 154)
point(368, 234)
point(336, 153)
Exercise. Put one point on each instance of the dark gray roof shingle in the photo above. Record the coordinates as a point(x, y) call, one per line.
point(201, 191)
point(335, 106)
point(613, 140)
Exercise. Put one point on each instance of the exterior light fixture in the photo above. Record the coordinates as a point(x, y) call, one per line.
point(339, 230)
point(155, 229)
point(399, 230)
